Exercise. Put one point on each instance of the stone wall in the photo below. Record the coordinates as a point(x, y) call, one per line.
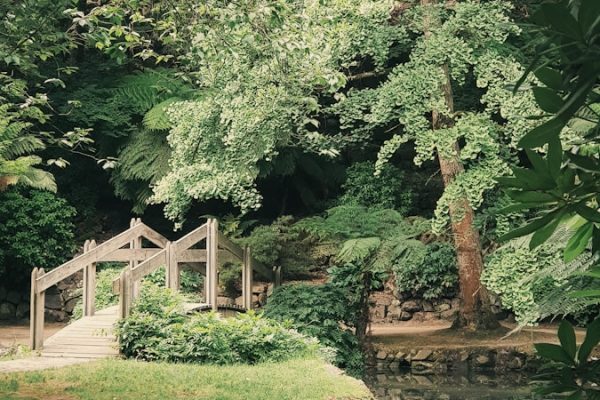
point(60, 301)
point(431, 362)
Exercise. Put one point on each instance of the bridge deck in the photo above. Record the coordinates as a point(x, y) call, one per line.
point(91, 337)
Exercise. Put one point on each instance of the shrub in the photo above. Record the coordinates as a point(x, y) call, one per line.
point(388, 190)
point(320, 311)
point(158, 329)
point(190, 282)
point(506, 271)
point(104, 294)
point(428, 271)
point(283, 245)
point(36, 230)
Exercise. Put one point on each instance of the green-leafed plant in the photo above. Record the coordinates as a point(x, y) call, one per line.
point(388, 190)
point(282, 244)
point(570, 370)
point(104, 294)
point(428, 271)
point(320, 311)
point(36, 230)
point(158, 329)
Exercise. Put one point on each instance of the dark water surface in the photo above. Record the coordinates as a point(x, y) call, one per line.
point(453, 386)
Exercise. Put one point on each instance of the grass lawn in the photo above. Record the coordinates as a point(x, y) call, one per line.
point(120, 379)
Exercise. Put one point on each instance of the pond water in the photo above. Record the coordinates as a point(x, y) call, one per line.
point(453, 386)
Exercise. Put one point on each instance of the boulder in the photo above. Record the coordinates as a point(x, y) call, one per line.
point(427, 306)
point(443, 307)
point(381, 355)
point(225, 300)
point(7, 311)
point(411, 306)
point(422, 355)
point(70, 305)
point(54, 302)
point(405, 316)
point(55, 315)
point(239, 301)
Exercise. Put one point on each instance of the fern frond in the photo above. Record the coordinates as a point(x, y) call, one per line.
point(357, 250)
point(157, 119)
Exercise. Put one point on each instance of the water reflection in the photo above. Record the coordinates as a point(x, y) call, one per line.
point(454, 386)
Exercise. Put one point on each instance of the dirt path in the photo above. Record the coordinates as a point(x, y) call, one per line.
point(38, 363)
point(14, 334)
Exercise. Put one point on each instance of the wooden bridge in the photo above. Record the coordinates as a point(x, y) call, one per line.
point(92, 336)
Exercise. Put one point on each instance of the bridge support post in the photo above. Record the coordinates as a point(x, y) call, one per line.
point(247, 279)
point(89, 282)
point(276, 277)
point(125, 299)
point(172, 267)
point(36, 317)
point(212, 249)
point(133, 262)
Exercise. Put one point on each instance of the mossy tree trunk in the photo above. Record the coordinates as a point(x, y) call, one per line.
point(475, 311)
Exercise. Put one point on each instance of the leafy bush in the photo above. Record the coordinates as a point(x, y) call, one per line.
point(104, 294)
point(388, 190)
point(36, 230)
point(158, 329)
point(506, 272)
point(283, 245)
point(190, 282)
point(430, 272)
point(320, 311)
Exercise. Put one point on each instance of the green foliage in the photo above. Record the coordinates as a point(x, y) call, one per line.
point(569, 370)
point(507, 271)
point(429, 272)
point(36, 231)
point(190, 282)
point(282, 244)
point(387, 190)
point(158, 329)
point(104, 293)
point(319, 311)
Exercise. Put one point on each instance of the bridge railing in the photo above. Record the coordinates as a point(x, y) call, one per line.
point(143, 261)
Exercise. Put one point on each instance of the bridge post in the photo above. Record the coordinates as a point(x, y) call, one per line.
point(212, 250)
point(89, 282)
point(172, 267)
point(247, 279)
point(36, 311)
point(133, 261)
point(276, 277)
point(124, 293)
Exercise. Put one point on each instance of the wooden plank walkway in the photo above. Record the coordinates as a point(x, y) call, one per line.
point(91, 337)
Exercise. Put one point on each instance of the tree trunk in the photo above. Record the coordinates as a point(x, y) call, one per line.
point(475, 312)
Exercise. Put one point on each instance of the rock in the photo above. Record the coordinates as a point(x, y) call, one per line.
point(56, 315)
point(262, 299)
point(515, 363)
point(400, 356)
point(411, 306)
point(394, 366)
point(422, 368)
point(482, 361)
point(7, 311)
point(239, 301)
point(464, 356)
point(379, 312)
point(405, 316)
point(225, 300)
point(70, 305)
point(427, 306)
point(455, 304)
point(396, 302)
point(13, 297)
point(54, 302)
point(258, 288)
point(448, 315)
point(22, 310)
point(443, 307)
point(381, 355)
point(422, 355)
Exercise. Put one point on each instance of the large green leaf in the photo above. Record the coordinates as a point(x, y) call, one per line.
point(547, 99)
point(578, 242)
point(560, 19)
point(588, 213)
point(592, 338)
point(589, 16)
point(543, 133)
point(531, 227)
point(566, 335)
point(549, 77)
point(553, 352)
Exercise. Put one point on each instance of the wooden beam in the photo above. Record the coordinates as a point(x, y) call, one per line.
point(157, 260)
point(124, 255)
point(191, 255)
point(212, 246)
point(192, 238)
point(154, 236)
point(70, 267)
point(232, 247)
point(89, 282)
